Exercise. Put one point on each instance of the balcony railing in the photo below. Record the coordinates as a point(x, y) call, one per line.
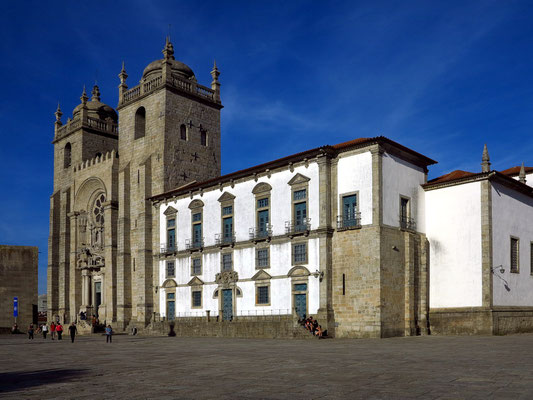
point(407, 223)
point(264, 232)
point(224, 240)
point(349, 222)
point(299, 226)
point(194, 244)
point(167, 249)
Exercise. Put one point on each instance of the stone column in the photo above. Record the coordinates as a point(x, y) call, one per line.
point(74, 295)
point(124, 301)
point(109, 278)
point(86, 288)
point(64, 255)
point(486, 243)
point(53, 258)
point(377, 185)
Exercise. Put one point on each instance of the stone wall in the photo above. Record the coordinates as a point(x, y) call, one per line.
point(18, 278)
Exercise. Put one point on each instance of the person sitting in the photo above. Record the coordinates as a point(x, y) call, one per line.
point(319, 332)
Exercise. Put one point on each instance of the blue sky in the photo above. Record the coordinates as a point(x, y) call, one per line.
point(441, 77)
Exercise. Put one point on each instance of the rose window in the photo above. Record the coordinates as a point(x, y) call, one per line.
point(98, 209)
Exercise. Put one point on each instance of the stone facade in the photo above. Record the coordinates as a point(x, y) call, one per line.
point(18, 278)
point(101, 238)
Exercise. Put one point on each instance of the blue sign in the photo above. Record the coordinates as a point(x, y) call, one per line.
point(15, 306)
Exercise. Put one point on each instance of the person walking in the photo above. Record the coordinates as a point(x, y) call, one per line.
point(59, 330)
point(30, 332)
point(53, 330)
point(73, 330)
point(109, 334)
point(44, 330)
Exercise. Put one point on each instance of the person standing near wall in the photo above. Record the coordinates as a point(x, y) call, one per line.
point(108, 334)
point(30, 332)
point(53, 330)
point(44, 330)
point(59, 330)
point(73, 330)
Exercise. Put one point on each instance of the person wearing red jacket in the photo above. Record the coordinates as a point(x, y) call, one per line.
point(59, 330)
point(53, 330)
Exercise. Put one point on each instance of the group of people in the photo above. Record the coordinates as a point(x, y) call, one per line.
point(56, 329)
point(312, 326)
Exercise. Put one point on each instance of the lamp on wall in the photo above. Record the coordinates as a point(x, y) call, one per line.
point(318, 274)
point(498, 267)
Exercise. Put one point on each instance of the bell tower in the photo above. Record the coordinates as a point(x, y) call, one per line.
point(169, 137)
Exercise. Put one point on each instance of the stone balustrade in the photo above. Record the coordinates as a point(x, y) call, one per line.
point(90, 122)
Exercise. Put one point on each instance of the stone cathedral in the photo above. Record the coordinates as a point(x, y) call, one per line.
point(102, 242)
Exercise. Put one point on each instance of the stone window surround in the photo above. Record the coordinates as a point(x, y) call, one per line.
point(139, 117)
point(183, 129)
point(226, 252)
point(262, 191)
point(67, 155)
point(167, 292)
point(196, 206)
point(299, 182)
point(297, 278)
point(199, 258)
point(300, 242)
point(262, 283)
point(167, 275)
point(171, 213)
point(262, 247)
point(227, 200)
point(402, 197)
point(511, 269)
point(341, 202)
point(193, 290)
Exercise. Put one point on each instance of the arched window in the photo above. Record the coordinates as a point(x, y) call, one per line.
point(140, 123)
point(67, 155)
point(203, 137)
point(183, 132)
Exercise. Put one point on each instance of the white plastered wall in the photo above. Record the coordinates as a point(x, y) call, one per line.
point(453, 228)
point(401, 178)
point(354, 174)
point(244, 258)
point(512, 215)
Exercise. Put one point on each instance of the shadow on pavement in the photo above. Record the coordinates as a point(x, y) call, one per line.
point(12, 381)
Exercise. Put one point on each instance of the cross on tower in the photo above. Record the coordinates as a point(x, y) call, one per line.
point(190, 123)
point(184, 176)
point(195, 156)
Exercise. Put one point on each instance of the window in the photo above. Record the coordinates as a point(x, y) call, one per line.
point(300, 210)
point(140, 123)
point(349, 211)
point(170, 269)
point(263, 217)
point(299, 253)
point(227, 262)
point(171, 306)
point(203, 137)
point(67, 155)
point(405, 214)
point(171, 234)
point(196, 266)
point(227, 224)
point(261, 203)
point(227, 210)
point(262, 229)
point(197, 230)
point(531, 257)
point(183, 132)
point(262, 259)
point(515, 251)
point(300, 194)
point(263, 295)
point(197, 298)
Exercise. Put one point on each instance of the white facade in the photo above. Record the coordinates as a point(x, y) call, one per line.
point(453, 225)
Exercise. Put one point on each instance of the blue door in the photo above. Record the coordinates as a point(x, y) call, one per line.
point(171, 306)
point(262, 217)
point(349, 208)
point(300, 216)
point(300, 302)
point(197, 235)
point(227, 304)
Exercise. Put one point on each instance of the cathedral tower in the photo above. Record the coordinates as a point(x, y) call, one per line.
point(169, 136)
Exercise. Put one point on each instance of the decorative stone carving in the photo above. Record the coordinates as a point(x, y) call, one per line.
point(226, 278)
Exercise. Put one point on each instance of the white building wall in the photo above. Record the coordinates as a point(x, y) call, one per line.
point(243, 258)
point(401, 178)
point(453, 228)
point(529, 179)
point(354, 174)
point(512, 215)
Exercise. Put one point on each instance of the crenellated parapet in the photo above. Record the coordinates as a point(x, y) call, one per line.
point(108, 157)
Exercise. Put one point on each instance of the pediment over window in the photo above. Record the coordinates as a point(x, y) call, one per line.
point(170, 211)
point(196, 204)
point(261, 275)
point(195, 282)
point(261, 188)
point(299, 271)
point(226, 197)
point(298, 179)
point(169, 283)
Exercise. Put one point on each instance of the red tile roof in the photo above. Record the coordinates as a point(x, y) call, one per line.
point(452, 176)
point(514, 171)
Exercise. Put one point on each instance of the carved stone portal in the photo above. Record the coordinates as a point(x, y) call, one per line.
point(226, 278)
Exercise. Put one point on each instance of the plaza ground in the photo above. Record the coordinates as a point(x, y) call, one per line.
point(429, 367)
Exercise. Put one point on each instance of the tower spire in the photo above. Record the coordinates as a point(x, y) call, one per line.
point(122, 87)
point(95, 93)
point(168, 51)
point(58, 113)
point(522, 174)
point(84, 97)
point(215, 84)
point(485, 160)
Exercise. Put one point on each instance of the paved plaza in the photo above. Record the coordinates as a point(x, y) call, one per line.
point(219, 368)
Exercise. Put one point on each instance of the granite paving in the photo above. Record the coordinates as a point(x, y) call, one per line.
point(135, 367)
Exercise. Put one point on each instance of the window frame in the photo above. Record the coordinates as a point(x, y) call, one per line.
point(199, 259)
point(517, 269)
point(226, 253)
point(183, 129)
point(193, 291)
point(293, 253)
point(341, 208)
point(167, 263)
point(139, 133)
point(257, 250)
point(263, 284)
